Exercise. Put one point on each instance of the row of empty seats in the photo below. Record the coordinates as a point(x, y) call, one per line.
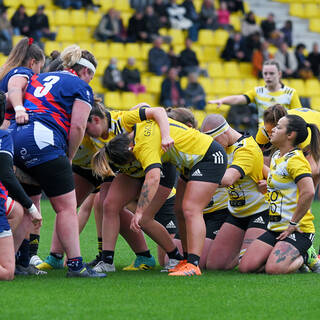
point(305, 10)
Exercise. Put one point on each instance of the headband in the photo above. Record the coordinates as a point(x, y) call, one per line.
point(214, 133)
point(88, 64)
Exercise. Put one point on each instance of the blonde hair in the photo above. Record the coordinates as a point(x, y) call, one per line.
point(100, 164)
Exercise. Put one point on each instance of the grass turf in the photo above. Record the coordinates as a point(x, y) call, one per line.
point(154, 295)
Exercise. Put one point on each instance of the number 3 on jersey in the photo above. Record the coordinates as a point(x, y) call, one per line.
point(46, 87)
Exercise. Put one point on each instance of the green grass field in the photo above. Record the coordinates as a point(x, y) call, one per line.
point(154, 295)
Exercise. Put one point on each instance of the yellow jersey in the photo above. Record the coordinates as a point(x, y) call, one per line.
point(119, 122)
point(263, 98)
point(283, 192)
point(190, 145)
point(244, 197)
point(219, 201)
point(309, 115)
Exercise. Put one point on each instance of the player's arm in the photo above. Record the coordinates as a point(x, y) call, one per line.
point(232, 100)
point(231, 176)
point(79, 117)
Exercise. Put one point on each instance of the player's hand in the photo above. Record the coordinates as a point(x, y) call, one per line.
point(21, 117)
point(167, 143)
point(262, 186)
point(35, 216)
point(218, 102)
point(287, 232)
point(139, 105)
point(134, 225)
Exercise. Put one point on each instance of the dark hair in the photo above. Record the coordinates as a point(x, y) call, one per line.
point(272, 62)
point(118, 151)
point(2, 106)
point(274, 113)
point(21, 54)
point(98, 109)
point(300, 126)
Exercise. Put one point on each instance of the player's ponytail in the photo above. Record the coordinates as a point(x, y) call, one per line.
point(100, 164)
point(315, 141)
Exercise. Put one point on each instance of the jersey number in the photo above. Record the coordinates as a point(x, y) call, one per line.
point(46, 87)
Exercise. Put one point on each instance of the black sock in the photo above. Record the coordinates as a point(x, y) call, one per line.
point(23, 254)
point(185, 255)
point(75, 264)
point(194, 259)
point(34, 244)
point(100, 246)
point(56, 255)
point(144, 254)
point(107, 256)
point(175, 254)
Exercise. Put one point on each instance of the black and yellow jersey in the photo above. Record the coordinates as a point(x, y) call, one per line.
point(263, 98)
point(218, 202)
point(244, 196)
point(283, 192)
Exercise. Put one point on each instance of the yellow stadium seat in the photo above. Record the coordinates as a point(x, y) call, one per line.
point(47, 4)
point(199, 115)
point(117, 50)
point(122, 5)
point(78, 18)
point(147, 98)
point(142, 65)
point(206, 84)
point(235, 22)
point(231, 70)
point(100, 50)
point(128, 100)
point(178, 48)
point(176, 35)
point(210, 54)
point(30, 4)
point(93, 18)
point(312, 87)
point(154, 84)
point(112, 100)
point(145, 48)
point(16, 39)
point(315, 103)
point(11, 3)
point(298, 84)
point(198, 4)
point(235, 86)
point(314, 24)
point(219, 87)
point(311, 10)
point(125, 16)
point(296, 9)
point(82, 34)
point(220, 37)
point(199, 52)
point(65, 33)
point(206, 38)
point(102, 64)
point(245, 69)
point(85, 45)
point(216, 70)
point(62, 18)
point(106, 4)
point(96, 85)
point(184, 82)
point(249, 84)
point(50, 46)
point(132, 50)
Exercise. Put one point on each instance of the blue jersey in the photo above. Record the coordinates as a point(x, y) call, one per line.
point(21, 72)
point(6, 146)
point(49, 99)
point(50, 96)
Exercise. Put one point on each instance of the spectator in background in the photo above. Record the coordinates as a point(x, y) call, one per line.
point(6, 31)
point(177, 16)
point(174, 59)
point(193, 16)
point(110, 27)
point(172, 94)
point(65, 4)
point(235, 5)
point(112, 77)
point(287, 32)
point(151, 24)
point(140, 4)
point(268, 26)
point(160, 8)
point(158, 60)
point(287, 61)
point(249, 25)
point(39, 25)
point(314, 59)
point(136, 28)
point(259, 56)
point(252, 43)
point(20, 22)
point(208, 17)
point(189, 61)
point(131, 77)
point(235, 48)
point(194, 94)
point(304, 66)
point(224, 17)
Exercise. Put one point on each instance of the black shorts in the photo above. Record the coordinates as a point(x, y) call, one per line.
point(166, 216)
point(89, 175)
point(301, 241)
point(54, 177)
point(214, 221)
point(168, 175)
point(258, 220)
point(212, 167)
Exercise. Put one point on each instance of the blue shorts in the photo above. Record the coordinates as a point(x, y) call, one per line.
point(36, 143)
point(4, 224)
